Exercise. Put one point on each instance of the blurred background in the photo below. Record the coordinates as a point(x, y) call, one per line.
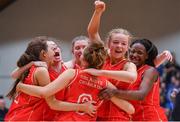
point(157, 20)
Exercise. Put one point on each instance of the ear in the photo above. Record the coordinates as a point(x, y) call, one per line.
point(43, 54)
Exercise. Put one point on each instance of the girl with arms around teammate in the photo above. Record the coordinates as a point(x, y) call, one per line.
point(81, 86)
point(25, 107)
point(144, 92)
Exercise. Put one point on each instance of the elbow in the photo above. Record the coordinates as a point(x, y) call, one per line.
point(13, 75)
point(91, 31)
point(44, 93)
point(52, 106)
point(133, 78)
point(131, 109)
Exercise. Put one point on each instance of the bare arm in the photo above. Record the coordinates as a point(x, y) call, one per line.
point(67, 106)
point(42, 77)
point(123, 104)
point(129, 74)
point(161, 58)
point(149, 78)
point(60, 83)
point(18, 71)
point(93, 27)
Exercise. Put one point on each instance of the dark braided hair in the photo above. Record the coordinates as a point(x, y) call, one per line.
point(151, 50)
point(32, 53)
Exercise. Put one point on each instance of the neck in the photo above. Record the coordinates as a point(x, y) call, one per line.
point(116, 60)
point(56, 66)
point(138, 67)
point(77, 62)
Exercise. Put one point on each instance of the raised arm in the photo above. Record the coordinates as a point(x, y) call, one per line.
point(60, 83)
point(161, 58)
point(93, 27)
point(123, 104)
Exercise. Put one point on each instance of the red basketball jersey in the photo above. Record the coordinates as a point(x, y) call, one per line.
point(26, 107)
point(83, 88)
point(52, 114)
point(148, 109)
point(53, 75)
point(109, 111)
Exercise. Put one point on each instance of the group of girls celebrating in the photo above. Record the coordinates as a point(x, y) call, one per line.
point(116, 81)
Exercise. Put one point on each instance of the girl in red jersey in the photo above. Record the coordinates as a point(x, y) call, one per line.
point(81, 86)
point(144, 92)
point(58, 66)
point(123, 72)
point(78, 45)
point(25, 107)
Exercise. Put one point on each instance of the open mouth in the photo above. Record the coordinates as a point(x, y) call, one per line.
point(134, 59)
point(118, 51)
point(56, 54)
point(79, 55)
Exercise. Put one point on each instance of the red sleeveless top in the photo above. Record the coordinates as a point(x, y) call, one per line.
point(149, 108)
point(108, 111)
point(53, 114)
point(26, 107)
point(83, 88)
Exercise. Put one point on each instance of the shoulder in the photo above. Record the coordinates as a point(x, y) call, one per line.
point(152, 70)
point(129, 64)
point(41, 76)
point(41, 70)
point(151, 73)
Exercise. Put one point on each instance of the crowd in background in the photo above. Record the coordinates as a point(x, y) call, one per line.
point(3, 109)
point(170, 85)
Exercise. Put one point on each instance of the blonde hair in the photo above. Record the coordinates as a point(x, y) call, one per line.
point(121, 31)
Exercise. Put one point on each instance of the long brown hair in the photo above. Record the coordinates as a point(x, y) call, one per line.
point(32, 53)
